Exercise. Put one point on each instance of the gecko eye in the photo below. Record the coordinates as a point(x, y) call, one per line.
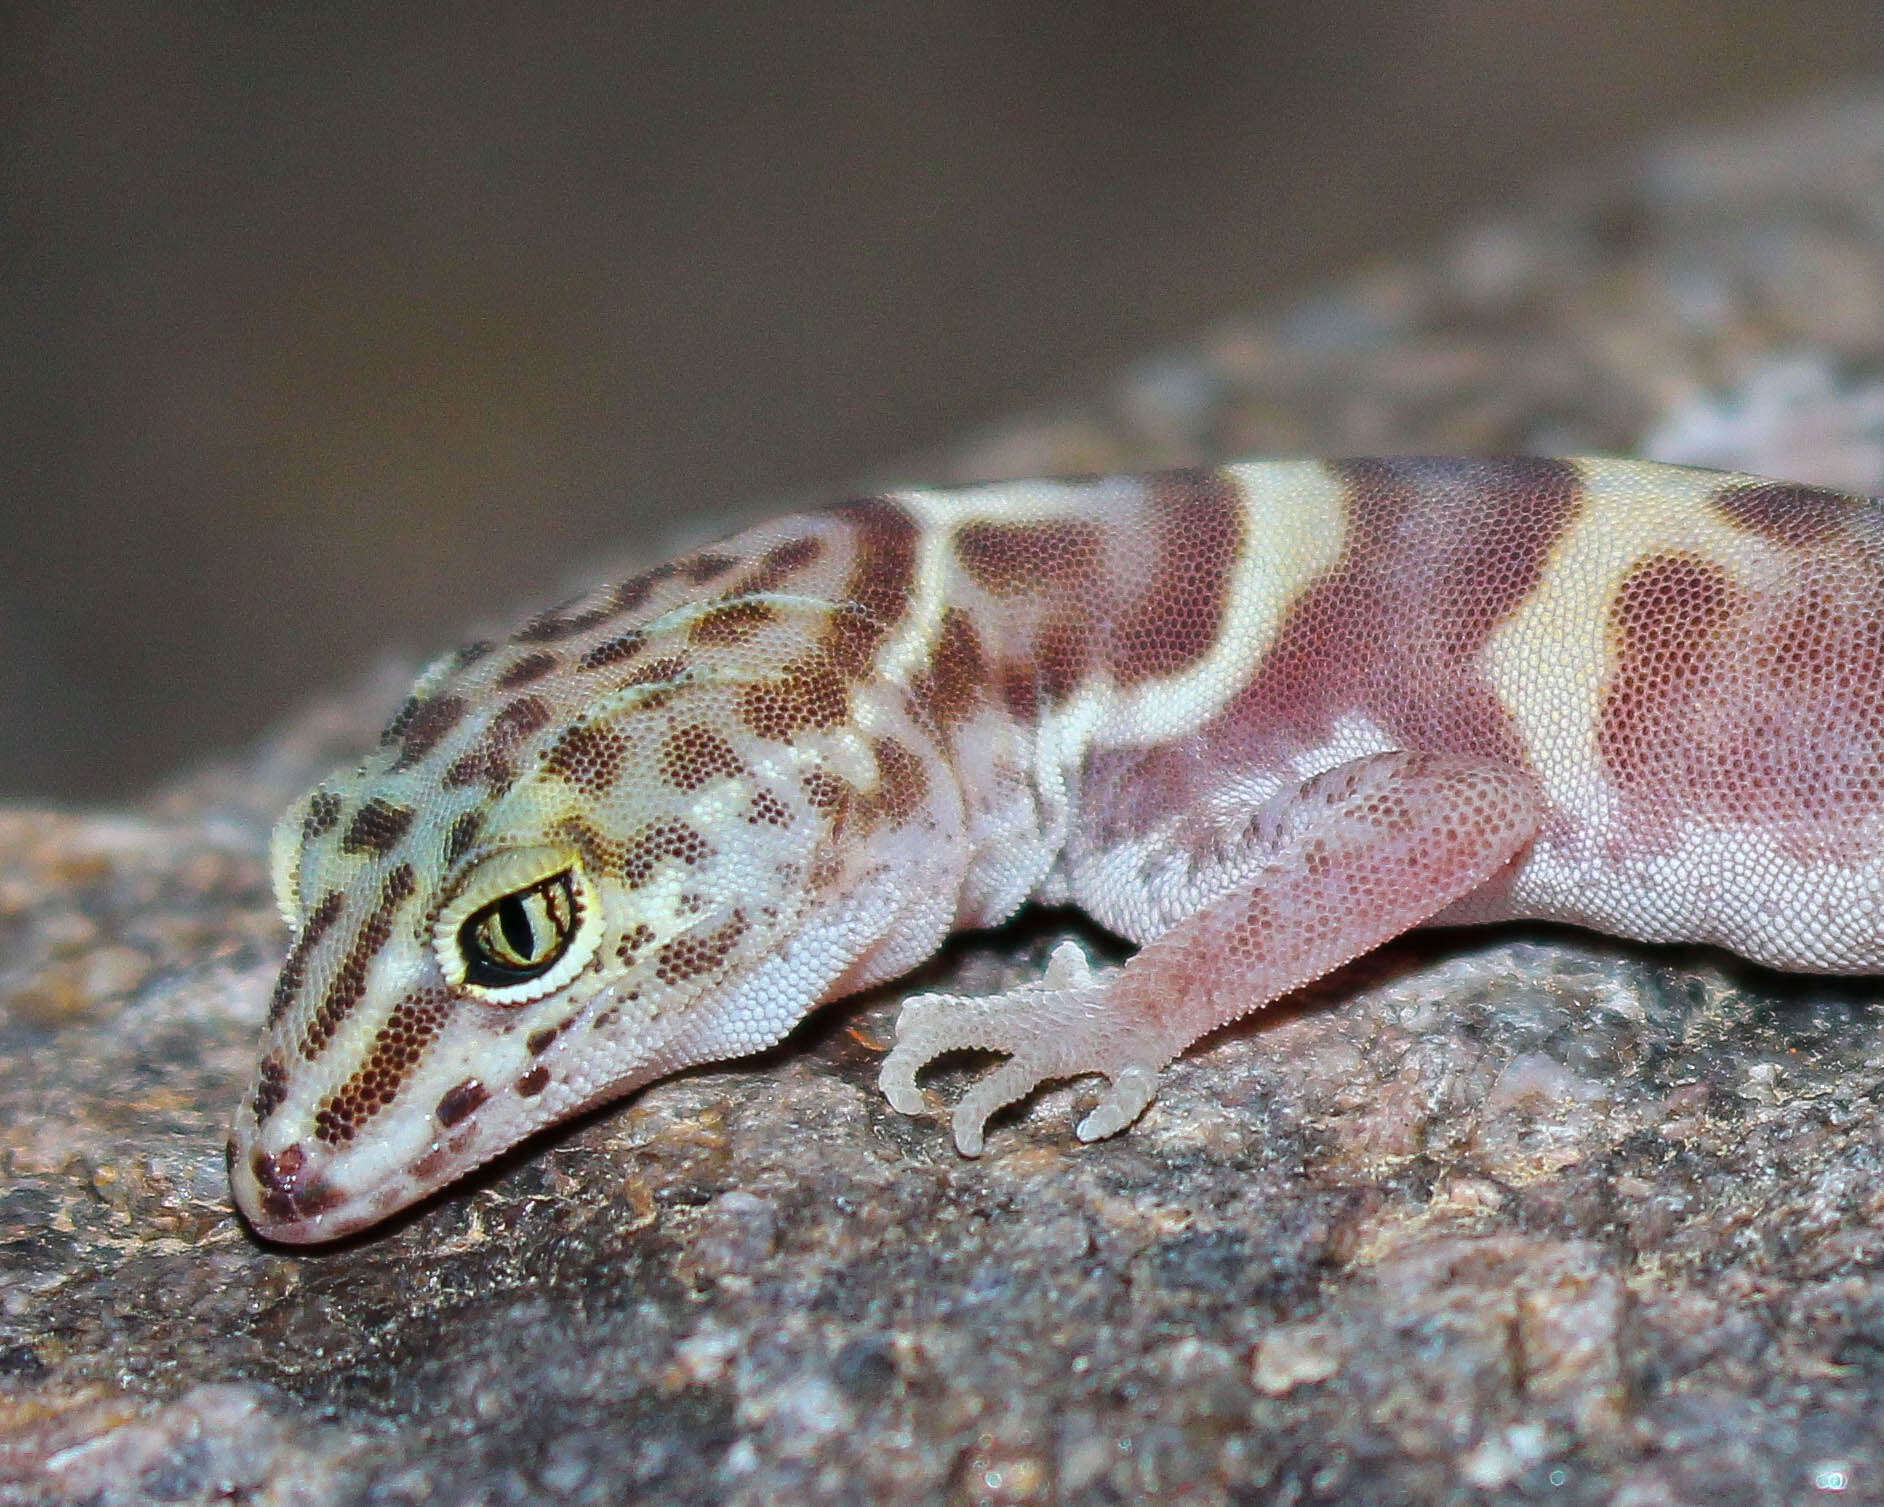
point(520, 937)
point(522, 925)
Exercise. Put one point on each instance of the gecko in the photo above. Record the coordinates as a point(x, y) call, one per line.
point(1254, 719)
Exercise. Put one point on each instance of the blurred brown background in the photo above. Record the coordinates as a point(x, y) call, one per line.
point(327, 330)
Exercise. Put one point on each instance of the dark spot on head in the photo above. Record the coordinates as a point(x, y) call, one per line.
point(463, 834)
point(533, 1082)
point(348, 985)
point(323, 810)
point(422, 725)
point(566, 619)
point(902, 784)
point(690, 956)
point(377, 828)
point(734, 623)
point(1788, 514)
point(394, 730)
point(480, 766)
point(271, 1087)
point(669, 669)
point(539, 1040)
point(828, 793)
point(294, 969)
point(396, 1051)
point(589, 756)
point(768, 810)
point(955, 683)
point(779, 564)
point(460, 1102)
point(633, 940)
point(703, 568)
point(806, 694)
point(637, 860)
point(630, 594)
point(518, 721)
point(469, 654)
point(530, 667)
point(613, 650)
point(692, 756)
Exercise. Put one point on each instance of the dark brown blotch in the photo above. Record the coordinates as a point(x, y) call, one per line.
point(533, 1082)
point(463, 836)
point(1063, 657)
point(348, 985)
point(271, 1087)
point(956, 681)
point(294, 969)
point(426, 725)
point(589, 755)
point(523, 671)
point(902, 783)
point(695, 954)
point(807, 694)
point(1667, 618)
point(1797, 517)
point(1016, 559)
point(736, 622)
point(1175, 620)
point(693, 755)
point(461, 1101)
point(378, 827)
point(396, 1051)
point(613, 650)
point(882, 577)
point(323, 810)
point(777, 566)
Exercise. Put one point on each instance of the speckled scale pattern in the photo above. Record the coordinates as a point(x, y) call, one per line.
point(1256, 719)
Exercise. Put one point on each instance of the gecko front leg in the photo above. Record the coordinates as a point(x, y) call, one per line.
point(1351, 858)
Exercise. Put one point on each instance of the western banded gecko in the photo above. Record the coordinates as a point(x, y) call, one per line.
point(1256, 720)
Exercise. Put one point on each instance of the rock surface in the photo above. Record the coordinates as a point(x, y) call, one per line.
point(1500, 1217)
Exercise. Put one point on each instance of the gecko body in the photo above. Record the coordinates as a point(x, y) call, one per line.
point(1256, 720)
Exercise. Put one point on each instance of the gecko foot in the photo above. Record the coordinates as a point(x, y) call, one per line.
point(1057, 1028)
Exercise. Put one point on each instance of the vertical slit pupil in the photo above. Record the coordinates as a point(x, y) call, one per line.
point(513, 918)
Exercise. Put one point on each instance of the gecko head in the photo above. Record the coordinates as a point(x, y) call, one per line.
point(523, 904)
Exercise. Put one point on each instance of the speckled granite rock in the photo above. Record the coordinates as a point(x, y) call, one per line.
point(1487, 1217)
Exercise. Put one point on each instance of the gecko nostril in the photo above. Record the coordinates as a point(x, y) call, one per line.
point(290, 1190)
point(276, 1173)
